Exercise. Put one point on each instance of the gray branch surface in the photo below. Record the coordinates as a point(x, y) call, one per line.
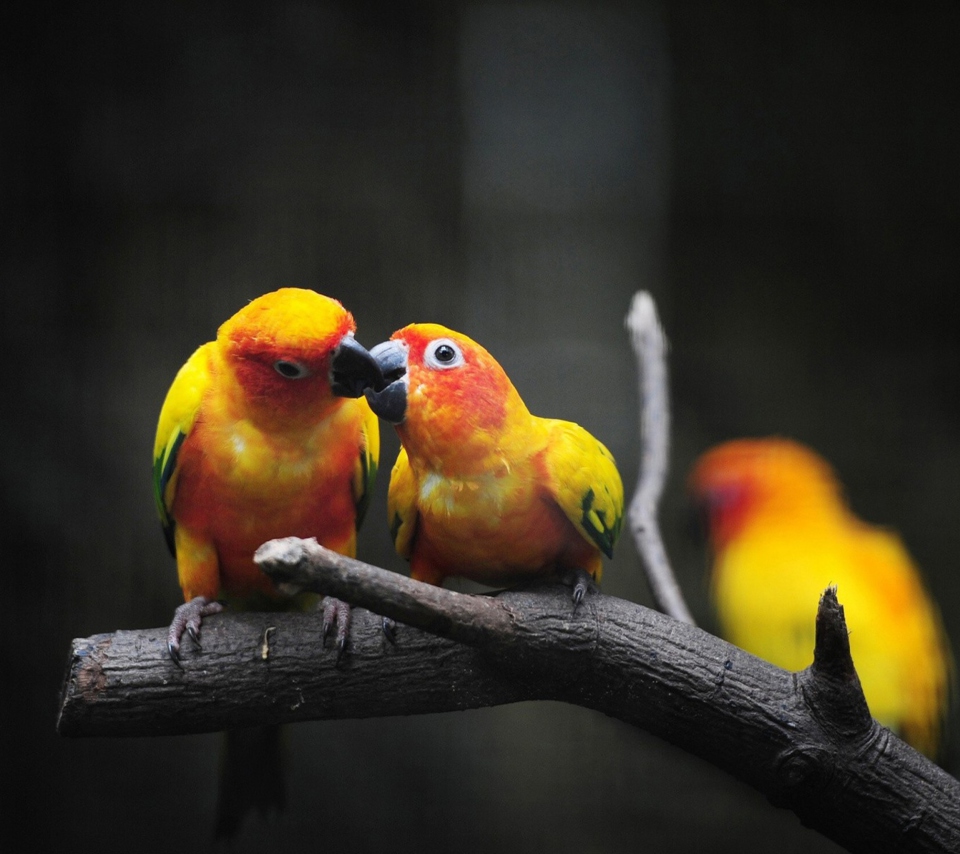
point(806, 740)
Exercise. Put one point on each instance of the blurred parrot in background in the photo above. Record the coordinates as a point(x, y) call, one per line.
point(483, 489)
point(254, 443)
point(780, 532)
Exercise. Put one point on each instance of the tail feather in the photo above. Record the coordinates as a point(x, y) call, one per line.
point(252, 777)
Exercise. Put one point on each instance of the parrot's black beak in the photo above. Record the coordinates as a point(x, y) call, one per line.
point(353, 369)
point(389, 400)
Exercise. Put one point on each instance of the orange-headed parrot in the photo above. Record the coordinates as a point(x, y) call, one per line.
point(482, 488)
point(780, 532)
point(254, 443)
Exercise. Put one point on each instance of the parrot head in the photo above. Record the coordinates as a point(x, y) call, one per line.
point(736, 482)
point(441, 389)
point(293, 349)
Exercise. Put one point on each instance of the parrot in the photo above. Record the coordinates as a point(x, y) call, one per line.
point(481, 488)
point(262, 435)
point(780, 531)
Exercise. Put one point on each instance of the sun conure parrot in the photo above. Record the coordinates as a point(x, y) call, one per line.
point(483, 489)
point(254, 443)
point(780, 532)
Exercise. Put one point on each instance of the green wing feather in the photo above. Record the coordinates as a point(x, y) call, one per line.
point(368, 461)
point(164, 466)
point(402, 505)
point(586, 483)
point(177, 416)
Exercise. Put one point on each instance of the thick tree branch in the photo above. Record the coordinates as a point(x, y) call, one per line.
point(806, 740)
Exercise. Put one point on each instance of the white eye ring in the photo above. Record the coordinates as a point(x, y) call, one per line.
point(290, 370)
point(442, 354)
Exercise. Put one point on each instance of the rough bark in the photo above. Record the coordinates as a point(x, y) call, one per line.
point(806, 739)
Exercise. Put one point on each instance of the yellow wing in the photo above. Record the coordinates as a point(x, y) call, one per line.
point(368, 460)
point(901, 626)
point(586, 483)
point(177, 417)
point(402, 505)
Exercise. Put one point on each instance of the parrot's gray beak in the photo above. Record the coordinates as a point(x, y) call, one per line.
point(353, 369)
point(389, 400)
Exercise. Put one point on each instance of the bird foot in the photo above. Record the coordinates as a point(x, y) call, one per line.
point(389, 629)
point(336, 613)
point(582, 583)
point(187, 618)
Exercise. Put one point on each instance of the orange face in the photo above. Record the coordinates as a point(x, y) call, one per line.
point(449, 398)
point(453, 377)
point(280, 347)
point(735, 480)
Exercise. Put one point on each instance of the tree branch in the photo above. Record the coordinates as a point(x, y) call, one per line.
point(806, 740)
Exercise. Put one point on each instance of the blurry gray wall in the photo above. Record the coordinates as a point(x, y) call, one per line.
point(782, 177)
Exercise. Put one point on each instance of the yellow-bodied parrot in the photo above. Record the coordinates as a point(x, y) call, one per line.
point(483, 489)
point(780, 532)
point(253, 443)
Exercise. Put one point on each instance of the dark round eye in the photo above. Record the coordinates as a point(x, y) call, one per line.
point(442, 354)
point(290, 370)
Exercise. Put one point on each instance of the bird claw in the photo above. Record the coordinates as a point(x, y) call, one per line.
point(173, 650)
point(336, 613)
point(389, 629)
point(187, 618)
point(582, 583)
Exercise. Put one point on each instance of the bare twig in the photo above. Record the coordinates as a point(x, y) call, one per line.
point(650, 345)
point(468, 619)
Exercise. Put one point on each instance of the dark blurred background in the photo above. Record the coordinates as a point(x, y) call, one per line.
point(782, 176)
